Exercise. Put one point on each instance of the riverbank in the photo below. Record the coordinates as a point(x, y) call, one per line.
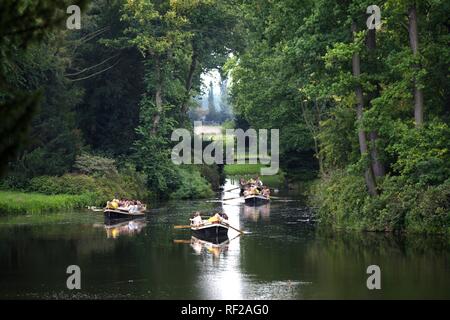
point(75, 190)
point(342, 202)
point(14, 202)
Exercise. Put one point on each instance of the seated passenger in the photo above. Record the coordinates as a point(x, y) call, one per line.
point(258, 182)
point(216, 218)
point(266, 192)
point(224, 217)
point(197, 220)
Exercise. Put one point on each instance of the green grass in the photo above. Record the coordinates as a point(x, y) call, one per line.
point(12, 202)
point(243, 169)
point(247, 171)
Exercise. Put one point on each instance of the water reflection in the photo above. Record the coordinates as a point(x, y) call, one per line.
point(282, 258)
point(124, 228)
point(215, 248)
point(256, 213)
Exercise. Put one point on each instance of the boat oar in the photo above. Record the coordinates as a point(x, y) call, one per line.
point(95, 208)
point(230, 198)
point(182, 227)
point(232, 189)
point(230, 226)
point(182, 241)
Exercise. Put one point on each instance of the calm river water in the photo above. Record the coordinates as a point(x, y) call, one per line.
point(279, 257)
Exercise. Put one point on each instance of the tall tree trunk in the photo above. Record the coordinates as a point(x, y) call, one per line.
point(312, 122)
point(158, 96)
point(356, 66)
point(414, 42)
point(189, 81)
point(316, 142)
point(377, 165)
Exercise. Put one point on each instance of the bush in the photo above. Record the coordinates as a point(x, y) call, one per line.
point(128, 184)
point(342, 201)
point(213, 175)
point(66, 184)
point(431, 213)
point(192, 185)
point(339, 199)
point(421, 154)
point(90, 164)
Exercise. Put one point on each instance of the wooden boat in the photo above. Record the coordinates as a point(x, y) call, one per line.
point(206, 230)
point(256, 200)
point(120, 213)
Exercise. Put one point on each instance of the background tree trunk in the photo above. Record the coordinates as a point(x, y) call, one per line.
point(377, 165)
point(158, 96)
point(356, 66)
point(189, 81)
point(414, 42)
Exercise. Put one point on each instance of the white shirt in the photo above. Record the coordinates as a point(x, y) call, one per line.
point(197, 220)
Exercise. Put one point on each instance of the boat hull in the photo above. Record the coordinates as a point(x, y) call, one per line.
point(256, 200)
point(214, 231)
point(118, 215)
point(216, 241)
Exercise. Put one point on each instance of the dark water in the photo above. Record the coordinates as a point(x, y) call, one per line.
point(281, 257)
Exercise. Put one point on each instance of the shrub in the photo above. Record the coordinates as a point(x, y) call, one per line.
point(90, 164)
point(421, 154)
point(342, 201)
point(431, 212)
point(129, 184)
point(213, 175)
point(66, 184)
point(339, 199)
point(192, 185)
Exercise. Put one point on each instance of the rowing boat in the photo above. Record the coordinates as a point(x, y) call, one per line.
point(114, 214)
point(256, 200)
point(208, 230)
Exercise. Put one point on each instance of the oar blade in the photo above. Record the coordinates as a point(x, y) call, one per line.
point(181, 227)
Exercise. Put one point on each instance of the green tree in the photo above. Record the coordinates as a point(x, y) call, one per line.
point(22, 23)
point(212, 111)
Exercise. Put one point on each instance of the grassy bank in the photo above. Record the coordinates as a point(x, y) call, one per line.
point(72, 191)
point(12, 202)
point(243, 169)
point(248, 171)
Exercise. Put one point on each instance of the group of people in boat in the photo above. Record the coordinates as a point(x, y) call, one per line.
point(254, 187)
point(125, 204)
point(218, 217)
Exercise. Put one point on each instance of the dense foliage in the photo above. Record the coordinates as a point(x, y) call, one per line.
point(116, 88)
point(371, 105)
point(364, 110)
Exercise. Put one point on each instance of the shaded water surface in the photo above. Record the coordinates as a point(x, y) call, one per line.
point(280, 257)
